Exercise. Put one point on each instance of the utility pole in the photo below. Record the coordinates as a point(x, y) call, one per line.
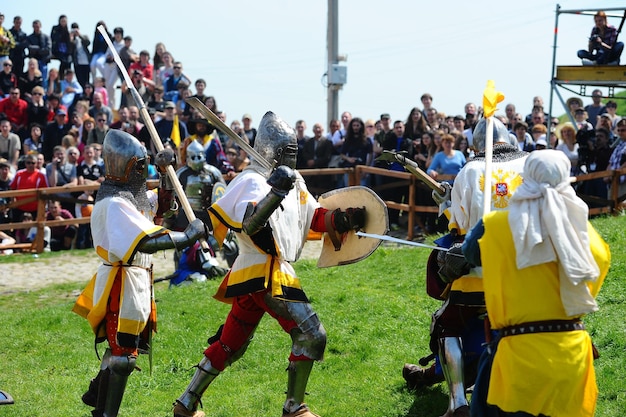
point(336, 75)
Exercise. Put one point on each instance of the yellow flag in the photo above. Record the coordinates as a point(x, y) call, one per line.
point(175, 135)
point(491, 98)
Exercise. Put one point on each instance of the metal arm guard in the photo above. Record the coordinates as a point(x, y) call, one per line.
point(281, 180)
point(179, 240)
point(257, 215)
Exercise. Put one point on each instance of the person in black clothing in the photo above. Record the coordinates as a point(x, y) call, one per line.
point(39, 47)
point(53, 135)
point(395, 140)
point(62, 46)
point(8, 80)
point(18, 54)
point(5, 185)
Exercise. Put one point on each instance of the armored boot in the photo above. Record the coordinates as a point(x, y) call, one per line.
point(90, 397)
point(96, 394)
point(298, 377)
point(187, 404)
point(451, 358)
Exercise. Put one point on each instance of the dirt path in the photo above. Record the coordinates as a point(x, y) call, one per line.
point(80, 267)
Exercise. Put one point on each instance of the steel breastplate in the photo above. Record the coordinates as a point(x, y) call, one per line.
point(198, 191)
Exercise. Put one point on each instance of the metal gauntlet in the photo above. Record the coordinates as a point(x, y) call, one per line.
point(442, 198)
point(351, 219)
point(453, 265)
point(179, 240)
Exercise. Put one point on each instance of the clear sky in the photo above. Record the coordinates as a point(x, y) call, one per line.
point(272, 55)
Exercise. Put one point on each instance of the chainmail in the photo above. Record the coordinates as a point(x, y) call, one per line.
point(502, 152)
point(134, 190)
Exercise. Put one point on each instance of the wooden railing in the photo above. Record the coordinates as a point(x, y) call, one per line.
point(611, 205)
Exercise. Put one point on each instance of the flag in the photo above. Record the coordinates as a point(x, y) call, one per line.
point(175, 135)
point(491, 98)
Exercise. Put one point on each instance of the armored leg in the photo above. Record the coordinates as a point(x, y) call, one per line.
point(451, 358)
point(298, 377)
point(120, 367)
point(187, 404)
point(90, 397)
point(308, 343)
point(309, 338)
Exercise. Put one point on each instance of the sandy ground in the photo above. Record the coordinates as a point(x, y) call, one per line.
point(25, 276)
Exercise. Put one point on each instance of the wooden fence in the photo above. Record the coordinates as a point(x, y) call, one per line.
point(611, 205)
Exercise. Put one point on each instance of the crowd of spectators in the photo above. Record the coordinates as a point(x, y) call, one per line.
point(53, 120)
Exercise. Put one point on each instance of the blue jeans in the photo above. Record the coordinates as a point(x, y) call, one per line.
point(602, 56)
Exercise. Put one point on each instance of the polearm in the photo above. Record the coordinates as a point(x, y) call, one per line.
point(488, 159)
point(154, 135)
point(217, 122)
point(413, 168)
point(491, 98)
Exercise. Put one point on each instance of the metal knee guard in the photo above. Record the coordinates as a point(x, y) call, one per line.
point(298, 377)
point(119, 367)
point(451, 358)
point(309, 338)
point(205, 374)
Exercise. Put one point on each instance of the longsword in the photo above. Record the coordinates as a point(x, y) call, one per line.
point(217, 122)
point(401, 241)
point(413, 168)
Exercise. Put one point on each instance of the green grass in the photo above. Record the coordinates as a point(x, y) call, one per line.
point(376, 313)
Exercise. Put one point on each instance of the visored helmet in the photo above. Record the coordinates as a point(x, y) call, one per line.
point(195, 156)
point(500, 134)
point(123, 154)
point(276, 141)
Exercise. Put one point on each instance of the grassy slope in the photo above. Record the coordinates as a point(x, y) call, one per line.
point(376, 314)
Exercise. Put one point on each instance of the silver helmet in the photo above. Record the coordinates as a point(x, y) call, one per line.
point(500, 134)
point(276, 141)
point(123, 154)
point(195, 156)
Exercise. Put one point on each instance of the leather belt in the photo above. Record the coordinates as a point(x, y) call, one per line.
point(547, 326)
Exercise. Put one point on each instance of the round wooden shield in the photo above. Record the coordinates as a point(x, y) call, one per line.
point(353, 247)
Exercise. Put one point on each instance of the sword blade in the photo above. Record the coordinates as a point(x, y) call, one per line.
point(401, 241)
point(217, 122)
point(414, 169)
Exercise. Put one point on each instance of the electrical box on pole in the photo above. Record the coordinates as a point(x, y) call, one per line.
point(338, 74)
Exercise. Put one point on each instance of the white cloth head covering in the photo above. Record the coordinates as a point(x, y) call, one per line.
point(549, 223)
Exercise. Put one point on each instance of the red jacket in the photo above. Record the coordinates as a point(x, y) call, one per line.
point(16, 112)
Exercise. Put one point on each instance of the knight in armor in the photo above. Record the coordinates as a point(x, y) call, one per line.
point(197, 178)
point(457, 330)
point(271, 212)
point(118, 302)
point(202, 184)
point(543, 266)
point(203, 133)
